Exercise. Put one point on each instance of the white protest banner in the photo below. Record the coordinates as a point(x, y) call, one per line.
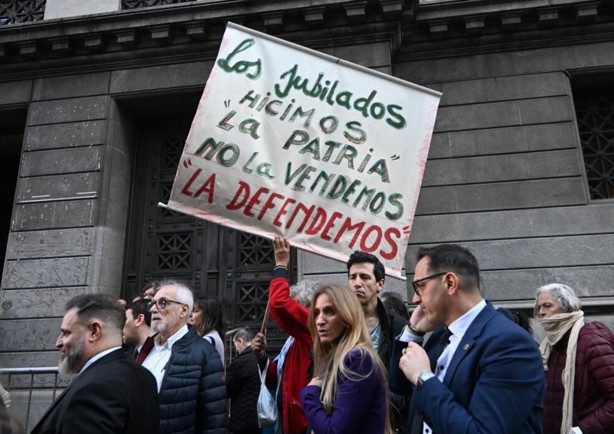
point(290, 141)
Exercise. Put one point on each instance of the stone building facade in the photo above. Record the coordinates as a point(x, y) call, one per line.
point(96, 98)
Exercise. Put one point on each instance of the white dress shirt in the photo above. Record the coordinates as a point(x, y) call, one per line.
point(158, 357)
point(458, 329)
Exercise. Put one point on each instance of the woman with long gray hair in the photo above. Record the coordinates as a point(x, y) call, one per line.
point(579, 363)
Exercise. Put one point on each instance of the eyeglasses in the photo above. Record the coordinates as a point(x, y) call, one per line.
point(162, 302)
point(415, 283)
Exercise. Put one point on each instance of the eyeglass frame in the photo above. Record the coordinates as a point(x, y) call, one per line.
point(424, 279)
point(165, 301)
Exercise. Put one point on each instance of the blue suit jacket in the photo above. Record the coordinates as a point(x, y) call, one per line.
point(495, 382)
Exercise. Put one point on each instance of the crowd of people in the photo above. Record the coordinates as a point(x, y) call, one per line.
point(356, 360)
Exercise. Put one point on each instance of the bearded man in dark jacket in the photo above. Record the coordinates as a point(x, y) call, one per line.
point(188, 369)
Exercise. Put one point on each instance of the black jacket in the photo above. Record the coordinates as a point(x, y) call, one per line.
point(193, 393)
point(392, 326)
point(243, 388)
point(114, 395)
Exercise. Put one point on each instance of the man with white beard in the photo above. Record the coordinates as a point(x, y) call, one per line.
point(188, 369)
point(111, 393)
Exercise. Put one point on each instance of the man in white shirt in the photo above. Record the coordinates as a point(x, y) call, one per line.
point(478, 372)
point(187, 368)
point(111, 393)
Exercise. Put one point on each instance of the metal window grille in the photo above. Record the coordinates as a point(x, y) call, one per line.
point(26, 380)
point(134, 4)
point(21, 11)
point(595, 114)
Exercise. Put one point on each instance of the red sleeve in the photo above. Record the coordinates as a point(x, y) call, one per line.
point(271, 375)
point(289, 314)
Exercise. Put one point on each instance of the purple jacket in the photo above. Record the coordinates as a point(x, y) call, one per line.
point(360, 406)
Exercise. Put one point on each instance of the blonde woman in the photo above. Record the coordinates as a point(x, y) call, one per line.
point(348, 391)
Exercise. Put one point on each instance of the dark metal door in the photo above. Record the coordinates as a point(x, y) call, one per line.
point(161, 244)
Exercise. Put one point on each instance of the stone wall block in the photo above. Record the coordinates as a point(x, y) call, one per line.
point(501, 196)
point(160, 77)
point(88, 133)
point(24, 335)
point(504, 88)
point(45, 273)
point(68, 110)
point(371, 55)
point(504, 140)
point(520, 284)
point(500, 114)
point(58, 187)
point(36, 303)
point(54, 215)
point(50, 244)
point(564, 251)
point(506, 63)
point(72, 86)
point(15, 92)
point(61, 161)
point(521, 223)
point(502, 168)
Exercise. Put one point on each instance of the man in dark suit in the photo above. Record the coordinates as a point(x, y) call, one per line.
point(111, 393)
point(479, 372)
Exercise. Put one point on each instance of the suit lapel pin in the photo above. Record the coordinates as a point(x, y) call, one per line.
point(465, 347)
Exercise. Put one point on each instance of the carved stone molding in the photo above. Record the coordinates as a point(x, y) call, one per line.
point(147, 27)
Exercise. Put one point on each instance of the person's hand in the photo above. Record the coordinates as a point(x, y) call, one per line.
point(259, 345)
point(315, 381)
point(420, 322)
point(281, 247)
point(414, 361)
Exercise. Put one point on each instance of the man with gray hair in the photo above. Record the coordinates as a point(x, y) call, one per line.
point(111, 393)
point(188, 369)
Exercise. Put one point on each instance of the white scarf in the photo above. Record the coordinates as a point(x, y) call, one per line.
point(556, 327)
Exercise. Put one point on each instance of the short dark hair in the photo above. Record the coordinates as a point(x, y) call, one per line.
point(101, 306)
point(359, 257)
point(517, 316)
point(454, 258)
point(394, 303)
point(155, 284)
point(140, 307)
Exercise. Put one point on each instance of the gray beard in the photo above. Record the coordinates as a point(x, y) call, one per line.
point(160, 327)
point(72, 363)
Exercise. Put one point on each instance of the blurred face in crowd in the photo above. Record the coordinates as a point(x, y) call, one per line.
point(328, 324)
point(240, 345)
point(71, 343)
point(362, 281)
point(149, 293)
point(196, 319)
point(130, 329)
point(546, 305)
point(167, 314)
